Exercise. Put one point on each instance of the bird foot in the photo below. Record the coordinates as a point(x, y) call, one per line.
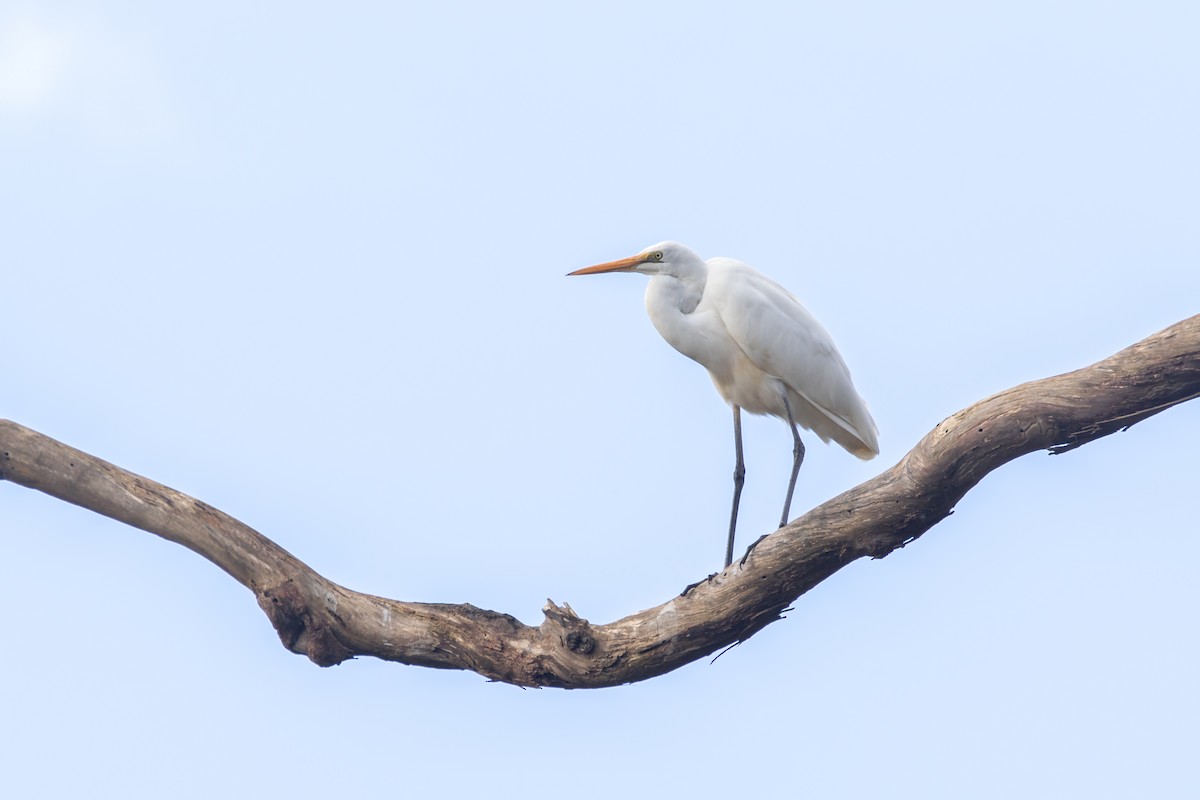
point(691, 586)
point(742, 563)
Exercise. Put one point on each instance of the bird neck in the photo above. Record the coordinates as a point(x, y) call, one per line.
point(670, 301)
point(671, 294)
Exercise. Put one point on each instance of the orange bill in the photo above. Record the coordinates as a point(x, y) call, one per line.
point(621, 265)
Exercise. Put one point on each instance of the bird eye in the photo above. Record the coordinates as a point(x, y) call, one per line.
point(658, 256)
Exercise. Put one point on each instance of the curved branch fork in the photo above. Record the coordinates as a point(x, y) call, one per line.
point(330, 623)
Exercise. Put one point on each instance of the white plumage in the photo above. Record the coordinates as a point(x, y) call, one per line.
point(763, 350)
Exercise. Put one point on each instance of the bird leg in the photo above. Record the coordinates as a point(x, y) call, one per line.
point(797, 460)
point(739, 477)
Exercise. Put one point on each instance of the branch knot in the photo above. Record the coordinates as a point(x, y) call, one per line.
point(302, 629)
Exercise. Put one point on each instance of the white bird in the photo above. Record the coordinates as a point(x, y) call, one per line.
point(763, 350)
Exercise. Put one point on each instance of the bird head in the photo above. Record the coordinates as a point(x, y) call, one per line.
point(664, 258)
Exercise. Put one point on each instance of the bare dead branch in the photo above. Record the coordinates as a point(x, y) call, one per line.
point(330, 623)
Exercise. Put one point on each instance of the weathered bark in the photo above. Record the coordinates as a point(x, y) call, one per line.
point(330, 623)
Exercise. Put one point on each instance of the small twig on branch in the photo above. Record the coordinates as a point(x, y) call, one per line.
point(329, 623)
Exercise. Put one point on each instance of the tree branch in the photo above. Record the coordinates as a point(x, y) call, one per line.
point(329, 623)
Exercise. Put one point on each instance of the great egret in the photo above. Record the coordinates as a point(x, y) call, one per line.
point(763, 350)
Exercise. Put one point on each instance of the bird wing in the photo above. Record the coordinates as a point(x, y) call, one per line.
point(784, 340)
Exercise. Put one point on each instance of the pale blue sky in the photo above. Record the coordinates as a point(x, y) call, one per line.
point(307, 265)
